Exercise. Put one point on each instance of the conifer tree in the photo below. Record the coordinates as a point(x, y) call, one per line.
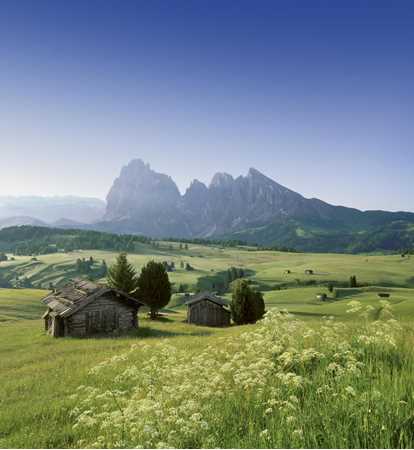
point(247, 305)
point(154, 287)
point(122, 275)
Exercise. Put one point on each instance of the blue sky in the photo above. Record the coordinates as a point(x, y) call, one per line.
point(318, 95)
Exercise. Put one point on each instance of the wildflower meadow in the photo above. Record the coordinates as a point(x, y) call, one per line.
point(281, 383)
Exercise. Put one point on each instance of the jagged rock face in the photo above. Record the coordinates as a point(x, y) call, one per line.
point(144, 201)
point(139, 190)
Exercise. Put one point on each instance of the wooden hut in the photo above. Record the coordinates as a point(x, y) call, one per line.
point(83, 308)
point(208, 309)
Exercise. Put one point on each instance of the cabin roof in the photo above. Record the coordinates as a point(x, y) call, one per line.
point(206, 296)
point(77, 294)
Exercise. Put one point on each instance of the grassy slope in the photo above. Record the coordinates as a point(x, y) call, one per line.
point(38, 374)
point(268, 267)
point(41, 372)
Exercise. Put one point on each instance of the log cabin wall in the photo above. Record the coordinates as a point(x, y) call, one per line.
point(208, 313)
point(104, 315)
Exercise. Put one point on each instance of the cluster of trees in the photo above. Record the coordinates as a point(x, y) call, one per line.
point(169, 267)
point(152, 286)
point(30, 240)
point(247, 305)
point(234, 273)
point(9, 282)
point(4, 281)
point(353, 281)
point(3, 257)
point(86, 267)
point(159, 245)
point(211, 242)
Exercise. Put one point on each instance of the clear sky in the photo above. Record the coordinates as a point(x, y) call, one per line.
point(318, 95)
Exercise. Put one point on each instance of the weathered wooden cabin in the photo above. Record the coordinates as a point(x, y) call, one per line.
point(208, 309)
point(83, 308)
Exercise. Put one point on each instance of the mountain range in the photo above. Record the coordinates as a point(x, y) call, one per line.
point(252, 208)
point(56, 211)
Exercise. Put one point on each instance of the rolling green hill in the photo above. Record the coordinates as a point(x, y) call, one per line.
point(42, 377)
point(304, 235)
point(267, 269)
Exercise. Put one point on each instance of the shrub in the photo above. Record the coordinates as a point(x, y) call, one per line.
point(247, 305)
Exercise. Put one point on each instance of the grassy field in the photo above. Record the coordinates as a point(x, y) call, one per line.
point(266, 268)
point(302, 381)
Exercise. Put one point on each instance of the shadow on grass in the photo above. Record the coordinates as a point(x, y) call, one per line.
point(309, 314)
point(143, 332)
point(148, 332)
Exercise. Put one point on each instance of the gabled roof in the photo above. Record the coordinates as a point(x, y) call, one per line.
point(79, 293)
point(206, 296)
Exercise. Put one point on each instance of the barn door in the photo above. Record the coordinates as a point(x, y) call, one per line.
point(109, 319)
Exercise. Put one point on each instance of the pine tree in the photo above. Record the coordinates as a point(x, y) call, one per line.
point(353, 281)
point(122, 275)
point(103, 271)
point(154, 287)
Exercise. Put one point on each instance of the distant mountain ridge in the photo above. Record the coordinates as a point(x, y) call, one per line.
point(49, 210)
point(253, 208)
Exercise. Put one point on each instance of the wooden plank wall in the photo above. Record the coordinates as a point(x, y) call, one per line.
point(208, 313)
point(105, 314)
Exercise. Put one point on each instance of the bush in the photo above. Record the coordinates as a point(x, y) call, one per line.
point(247, 305)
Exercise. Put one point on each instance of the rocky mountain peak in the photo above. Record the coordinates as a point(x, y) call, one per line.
point(221, 179)
point(139, 190)
point(254, 173)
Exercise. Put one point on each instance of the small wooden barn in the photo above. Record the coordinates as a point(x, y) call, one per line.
point(208, 309)
point(83, 308)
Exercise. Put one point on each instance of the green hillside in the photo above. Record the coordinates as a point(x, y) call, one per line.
point(50, 384)
point(392, 236)
point(267, 269)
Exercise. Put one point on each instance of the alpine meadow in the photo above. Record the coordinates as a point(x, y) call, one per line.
point(206, 224)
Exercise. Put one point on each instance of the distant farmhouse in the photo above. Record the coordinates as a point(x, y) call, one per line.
point(83, 308)
point(208, 309)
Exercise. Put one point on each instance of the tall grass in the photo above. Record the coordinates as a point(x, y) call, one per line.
point(283, 383)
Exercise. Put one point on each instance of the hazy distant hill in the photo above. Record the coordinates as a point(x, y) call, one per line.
point(253, 208)
point(52, 209)
point(20, 220)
